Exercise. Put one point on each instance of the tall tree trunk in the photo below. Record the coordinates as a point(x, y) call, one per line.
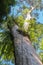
point(24, 52)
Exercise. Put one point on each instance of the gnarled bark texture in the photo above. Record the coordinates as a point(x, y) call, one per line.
point(24, 52)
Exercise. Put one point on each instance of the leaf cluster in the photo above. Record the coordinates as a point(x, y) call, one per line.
point(5, 7)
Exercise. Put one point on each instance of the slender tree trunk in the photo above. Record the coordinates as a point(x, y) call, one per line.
point(24, 52)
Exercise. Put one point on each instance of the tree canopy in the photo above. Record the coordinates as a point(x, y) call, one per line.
point(35, 30)
point(5, 6)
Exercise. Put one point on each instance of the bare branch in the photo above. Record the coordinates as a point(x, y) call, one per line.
point(32, 8)
point(28, 14)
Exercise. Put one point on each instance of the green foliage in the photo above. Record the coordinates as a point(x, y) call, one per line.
point(20, 20)
point(41, 44)
point(5, 6)
point(6, 46)
point(41, 56)
point(25, 11)
point(10, 22)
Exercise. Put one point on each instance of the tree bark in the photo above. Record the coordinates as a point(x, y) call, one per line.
point(24, 52)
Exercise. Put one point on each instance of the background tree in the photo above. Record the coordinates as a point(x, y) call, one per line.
point(5, 7)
